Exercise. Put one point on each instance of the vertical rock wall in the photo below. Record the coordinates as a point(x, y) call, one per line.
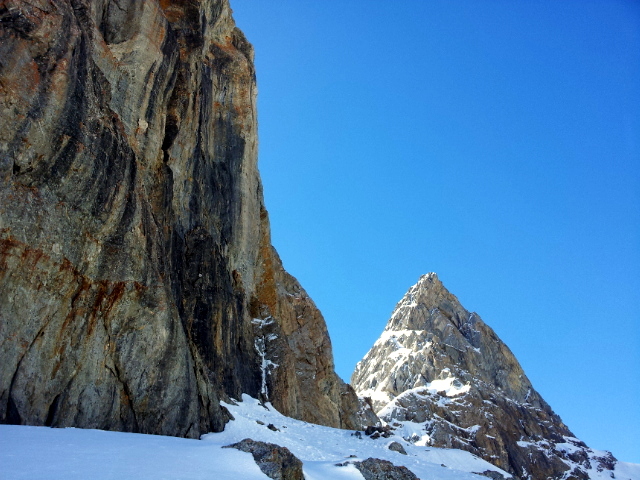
point(134, 245)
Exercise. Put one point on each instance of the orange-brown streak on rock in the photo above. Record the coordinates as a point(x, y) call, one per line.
point(266, 292)
point(5, 245)
point(172, 12)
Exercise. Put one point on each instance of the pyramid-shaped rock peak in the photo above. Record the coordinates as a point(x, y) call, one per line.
point(444, 378)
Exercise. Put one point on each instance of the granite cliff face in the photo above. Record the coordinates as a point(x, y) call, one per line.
point(441, 370)
point(138, 285)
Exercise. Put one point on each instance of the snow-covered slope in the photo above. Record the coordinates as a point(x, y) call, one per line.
point(321, 448)
point(41, 453)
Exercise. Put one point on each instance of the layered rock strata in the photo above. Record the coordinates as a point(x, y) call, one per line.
point(441, 367)
point(138, 286)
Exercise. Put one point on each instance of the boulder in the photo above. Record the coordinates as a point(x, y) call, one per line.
point(377, 469)
point(276, 462)
point(397, 447)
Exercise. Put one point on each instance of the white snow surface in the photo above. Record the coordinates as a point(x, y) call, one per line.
point(320, 448)
point(450, 385)
point(39, 453)
point(43, 453)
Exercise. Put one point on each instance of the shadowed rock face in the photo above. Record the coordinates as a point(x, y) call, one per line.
point(441, 366)
point(134, 243)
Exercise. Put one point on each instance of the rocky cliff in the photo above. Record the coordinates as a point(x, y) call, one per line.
point(138, 285)
point(441, 374)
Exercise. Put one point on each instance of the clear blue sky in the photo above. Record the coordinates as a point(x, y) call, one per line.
point(496, 143)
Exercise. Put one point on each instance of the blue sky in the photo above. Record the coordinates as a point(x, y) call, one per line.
point(496, 143)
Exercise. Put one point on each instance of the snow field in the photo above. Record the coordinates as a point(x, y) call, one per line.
point(321, 448)
point(42, 453)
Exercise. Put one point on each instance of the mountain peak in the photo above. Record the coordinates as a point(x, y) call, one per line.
point(441, 367)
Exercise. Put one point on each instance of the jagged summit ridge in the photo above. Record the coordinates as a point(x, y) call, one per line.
point(441, 369)
point(427, 330)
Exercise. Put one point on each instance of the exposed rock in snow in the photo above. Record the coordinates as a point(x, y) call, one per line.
point(275, 461)
point(397, 447)
point(376, 469)
point(443, 378)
